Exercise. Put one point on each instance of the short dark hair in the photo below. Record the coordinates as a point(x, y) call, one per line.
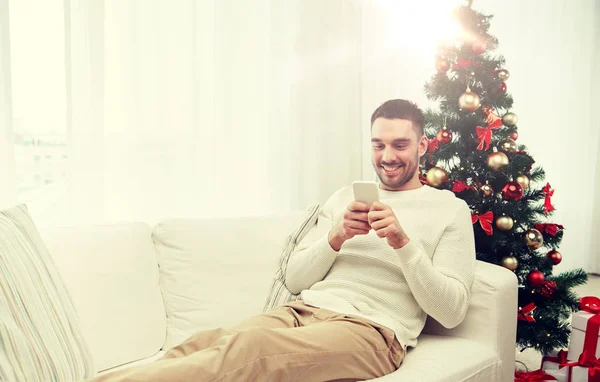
point(401, 109)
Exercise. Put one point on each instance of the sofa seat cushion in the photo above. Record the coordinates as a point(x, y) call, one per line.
point(450, 359)
point(112, 274)
point(217, 272)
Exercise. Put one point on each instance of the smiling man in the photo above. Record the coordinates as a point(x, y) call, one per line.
point(368, 276)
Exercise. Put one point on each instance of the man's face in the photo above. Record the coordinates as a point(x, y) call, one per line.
point(395, 152)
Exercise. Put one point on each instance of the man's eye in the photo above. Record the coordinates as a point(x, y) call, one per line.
point(400, 147)
point(378, 147)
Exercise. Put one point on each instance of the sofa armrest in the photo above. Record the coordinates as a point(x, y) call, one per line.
point(492, 315)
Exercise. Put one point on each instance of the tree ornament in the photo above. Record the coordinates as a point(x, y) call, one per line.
point(523, 180)
point(508, 145)
point(496, 160)
point(478, 46)
point(512, 191)
point(436, 176)
point(503, 74)
point(510, 119)
point(533, 238)
point(510, 262)
point(514, 135)
point(487, 190)
point(548, 290)
point(444, 135)
point(535, 279)
point(504, 223)
point(442, 65)
point(502, 88)
point(469, 101)
point(554, 256)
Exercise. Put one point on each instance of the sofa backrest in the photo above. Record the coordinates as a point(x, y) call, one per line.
point(217, 272)
point(111, 273)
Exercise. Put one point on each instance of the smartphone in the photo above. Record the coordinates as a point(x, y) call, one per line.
point(365, 191)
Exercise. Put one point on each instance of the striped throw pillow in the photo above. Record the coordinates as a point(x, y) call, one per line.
point(40, 338)
point(279, 294)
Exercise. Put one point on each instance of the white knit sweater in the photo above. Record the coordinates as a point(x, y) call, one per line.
point(431, 275)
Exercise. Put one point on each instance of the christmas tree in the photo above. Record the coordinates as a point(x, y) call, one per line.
point(473, 152)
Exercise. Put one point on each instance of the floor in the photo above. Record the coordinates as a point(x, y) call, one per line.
point(531, 358)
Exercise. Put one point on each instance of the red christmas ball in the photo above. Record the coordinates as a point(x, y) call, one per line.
point(512, 191)
point(442, 65)
point(502, 87)
point(514, 135)
point(535, 279)
point(478, 46)
point(444, 135)
point(554, 256)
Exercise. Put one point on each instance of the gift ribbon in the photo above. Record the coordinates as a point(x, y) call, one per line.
point(485, 220)
point(561, 360)
point(485, 134)
point(538, 375)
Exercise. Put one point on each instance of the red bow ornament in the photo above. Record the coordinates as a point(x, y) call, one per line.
point(526, 313)
point(548, 207)
point(485, 220)
point(485, 133)
point(538, 375)
point(462, 63)
point(434, 144)
point(549, 228)
point(460, 186)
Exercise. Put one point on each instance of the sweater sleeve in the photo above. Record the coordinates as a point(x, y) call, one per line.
point(442, 286)
point(313, 256)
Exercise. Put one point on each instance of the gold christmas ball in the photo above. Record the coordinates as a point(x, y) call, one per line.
point(534, 238)
point(510, 119)
point(487, 190)
point(510, 262)
point(504, 223)
point(469, 101)
point(436, 176)
point(503, 74)
point(508, 145)
point(523, 180)
point(496, 160)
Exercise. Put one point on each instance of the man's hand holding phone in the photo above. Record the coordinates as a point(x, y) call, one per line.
point(355, 222)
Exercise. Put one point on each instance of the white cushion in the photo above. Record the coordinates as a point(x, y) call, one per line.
point(216, 273)
point(437, 358)
point(111, 273)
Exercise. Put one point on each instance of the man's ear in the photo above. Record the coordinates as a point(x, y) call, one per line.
point(423, 145)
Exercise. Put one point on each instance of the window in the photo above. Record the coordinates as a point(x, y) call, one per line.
point(39, 103)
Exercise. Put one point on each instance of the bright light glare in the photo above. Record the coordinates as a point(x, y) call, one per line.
point(420, 24)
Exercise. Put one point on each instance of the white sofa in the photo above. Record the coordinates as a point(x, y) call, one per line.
point(140, 290)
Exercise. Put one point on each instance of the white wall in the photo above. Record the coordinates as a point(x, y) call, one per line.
point(548, 47)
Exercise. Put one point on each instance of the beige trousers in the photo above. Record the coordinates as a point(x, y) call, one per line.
point(295, 342)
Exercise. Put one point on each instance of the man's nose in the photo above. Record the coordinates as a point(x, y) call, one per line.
point(389, 156)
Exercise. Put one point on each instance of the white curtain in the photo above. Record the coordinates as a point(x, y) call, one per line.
point(593, 261)
point(7, 167)
point(237, 107)
point(210, 108)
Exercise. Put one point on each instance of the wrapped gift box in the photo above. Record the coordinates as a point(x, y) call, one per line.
point(578, 328)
